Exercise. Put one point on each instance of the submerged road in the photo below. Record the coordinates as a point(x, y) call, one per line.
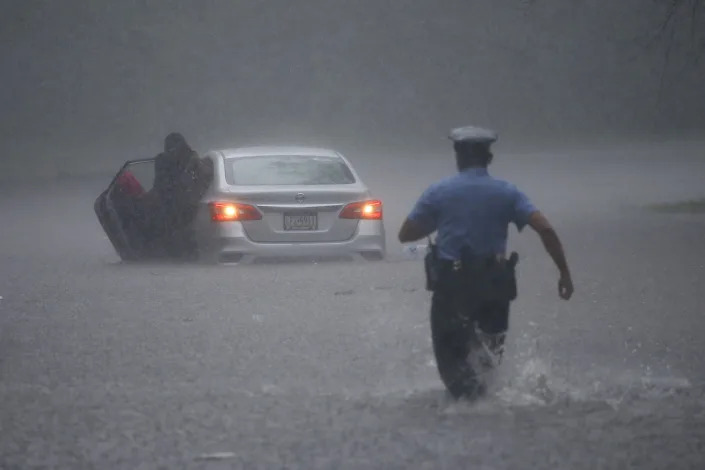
point(329, 366)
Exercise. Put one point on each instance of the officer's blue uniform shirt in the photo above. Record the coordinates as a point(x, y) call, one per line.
point(472, 209)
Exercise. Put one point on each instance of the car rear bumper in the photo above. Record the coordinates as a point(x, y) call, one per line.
point(228, 243)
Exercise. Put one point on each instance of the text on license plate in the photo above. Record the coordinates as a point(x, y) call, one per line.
point(301, 221)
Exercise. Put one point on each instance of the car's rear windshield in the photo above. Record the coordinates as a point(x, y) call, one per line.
point(287, 170)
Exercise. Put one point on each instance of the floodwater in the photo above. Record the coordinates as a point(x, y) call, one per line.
point(329, 365)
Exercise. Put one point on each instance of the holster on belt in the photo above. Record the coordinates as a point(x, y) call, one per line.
point(431, 266)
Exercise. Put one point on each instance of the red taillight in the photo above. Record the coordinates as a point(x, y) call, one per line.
point(233, 212)
point(370, 210)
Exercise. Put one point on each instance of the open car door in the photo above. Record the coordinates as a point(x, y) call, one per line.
point(123, 206)
point(139, 224)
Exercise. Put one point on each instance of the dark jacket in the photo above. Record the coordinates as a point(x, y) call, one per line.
point(175, 176)
point(171, 171)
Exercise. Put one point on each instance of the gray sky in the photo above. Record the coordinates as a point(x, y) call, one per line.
point(88, 82)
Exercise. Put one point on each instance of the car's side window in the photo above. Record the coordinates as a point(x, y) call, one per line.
point(134, 179)
point(143, 172)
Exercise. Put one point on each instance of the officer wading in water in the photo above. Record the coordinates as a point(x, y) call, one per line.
point(467, 269)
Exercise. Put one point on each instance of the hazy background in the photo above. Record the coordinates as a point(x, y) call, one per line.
point(87, 85)
point(118, 365)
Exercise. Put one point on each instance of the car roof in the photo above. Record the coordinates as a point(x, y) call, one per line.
point(278, 150)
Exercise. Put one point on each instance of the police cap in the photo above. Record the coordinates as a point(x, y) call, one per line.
point(471, 135)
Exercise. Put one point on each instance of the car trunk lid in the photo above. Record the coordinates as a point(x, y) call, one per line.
point(300, 215)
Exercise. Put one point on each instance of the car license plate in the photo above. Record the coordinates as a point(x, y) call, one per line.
point(301, 221)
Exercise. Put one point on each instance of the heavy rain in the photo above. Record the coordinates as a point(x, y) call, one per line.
point(328, 364)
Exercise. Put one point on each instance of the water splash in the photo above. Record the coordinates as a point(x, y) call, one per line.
point(533, 381)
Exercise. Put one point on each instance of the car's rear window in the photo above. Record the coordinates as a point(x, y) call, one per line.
point(287, 170)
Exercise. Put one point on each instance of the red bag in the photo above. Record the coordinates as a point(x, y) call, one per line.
point(129, 185)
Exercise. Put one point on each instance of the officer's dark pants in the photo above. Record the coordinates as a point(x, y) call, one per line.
point(460, 299)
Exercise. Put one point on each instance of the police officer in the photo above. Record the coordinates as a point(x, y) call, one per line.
point(471, 212)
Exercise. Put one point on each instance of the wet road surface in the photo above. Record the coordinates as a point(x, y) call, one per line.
point(104, 365)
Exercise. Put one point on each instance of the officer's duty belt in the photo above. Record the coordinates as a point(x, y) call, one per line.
point(479, 262)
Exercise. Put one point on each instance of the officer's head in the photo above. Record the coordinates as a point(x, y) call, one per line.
point(472, 146)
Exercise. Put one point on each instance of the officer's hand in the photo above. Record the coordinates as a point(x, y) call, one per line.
point(565, 287)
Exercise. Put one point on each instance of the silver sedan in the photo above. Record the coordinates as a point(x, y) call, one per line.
point(265, 203)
